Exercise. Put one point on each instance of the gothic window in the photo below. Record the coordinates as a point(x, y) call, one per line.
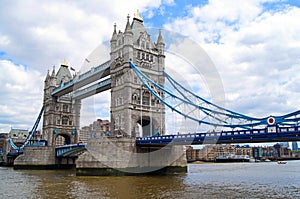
point(65, 120)
point(117, 122)
point(152, 102)
point(70, 123)
point(151, 58)
point(58, 122)
point(143, 56)
point(122, 121)
point(147, 57)
point(65, 108)
point(138, 55)
point(143, 44)
point(146, 98)
point(134, 97)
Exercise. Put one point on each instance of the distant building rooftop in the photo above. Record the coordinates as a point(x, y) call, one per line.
point(19, 134)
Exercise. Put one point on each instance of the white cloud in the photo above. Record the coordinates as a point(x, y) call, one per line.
point(20, 95)
point(42, 34)
point(255, 50)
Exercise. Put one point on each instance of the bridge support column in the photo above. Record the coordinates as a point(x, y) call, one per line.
point(36, 158)
point(121, 156)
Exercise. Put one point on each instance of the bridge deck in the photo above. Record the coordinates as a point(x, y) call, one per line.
point(270, 134)
point(70, 150)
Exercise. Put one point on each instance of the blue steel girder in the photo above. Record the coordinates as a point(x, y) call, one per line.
point(214, 115)
point(94, 74)
point(93, 89)
point(70, 150)
point(270, 134)
point(31, 133)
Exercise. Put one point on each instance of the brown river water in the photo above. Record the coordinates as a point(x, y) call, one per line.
point(222, 180)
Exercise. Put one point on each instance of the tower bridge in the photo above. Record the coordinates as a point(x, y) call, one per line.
point(138, 143)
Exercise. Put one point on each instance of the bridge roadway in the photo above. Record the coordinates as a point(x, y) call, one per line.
point(94, 74)
point(70, 150)
point(269, 134)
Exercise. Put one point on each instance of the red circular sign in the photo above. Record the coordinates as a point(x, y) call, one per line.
point(271, 120)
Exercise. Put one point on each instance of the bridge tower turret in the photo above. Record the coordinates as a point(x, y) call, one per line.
point(161, 52)
point(128, 42)
point(135, 112)
point(60, 113)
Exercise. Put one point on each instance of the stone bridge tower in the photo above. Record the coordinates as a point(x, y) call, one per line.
point(135, 112)
point(61, 114)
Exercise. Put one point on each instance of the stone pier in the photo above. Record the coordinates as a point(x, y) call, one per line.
point(121, 156)
point(36, 158)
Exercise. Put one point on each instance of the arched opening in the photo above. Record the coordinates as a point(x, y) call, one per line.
point(146, 127)
point(62, 139)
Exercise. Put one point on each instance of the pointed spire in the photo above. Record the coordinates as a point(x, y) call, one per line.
point(114, 36)
point(53, 71)
point(160, 39)
point(128, 26)
point(47, 76)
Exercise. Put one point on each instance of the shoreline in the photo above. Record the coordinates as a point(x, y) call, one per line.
point(214, 162)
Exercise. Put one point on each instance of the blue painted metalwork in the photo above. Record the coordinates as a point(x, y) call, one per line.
point(70, 150)
point(84, 79)
point(93, 89)
point(15, 153)
point(214, 114)
point(281, 134)
point(31, 133)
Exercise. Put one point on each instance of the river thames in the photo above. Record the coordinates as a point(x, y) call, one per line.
point(222, 180)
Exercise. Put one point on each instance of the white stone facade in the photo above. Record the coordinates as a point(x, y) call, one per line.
point(135, 112)
point(61, 114)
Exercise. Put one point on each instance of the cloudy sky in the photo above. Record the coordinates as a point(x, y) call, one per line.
point(253, 44)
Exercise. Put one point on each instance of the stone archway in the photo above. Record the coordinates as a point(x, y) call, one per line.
point(147, 126)
point(62, 139)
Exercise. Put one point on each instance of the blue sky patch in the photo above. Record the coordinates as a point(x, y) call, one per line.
point(167, 13)
point(2, 53)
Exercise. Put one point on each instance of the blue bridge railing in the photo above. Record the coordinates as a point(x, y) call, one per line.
point(269, 134)
point(70, 150)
